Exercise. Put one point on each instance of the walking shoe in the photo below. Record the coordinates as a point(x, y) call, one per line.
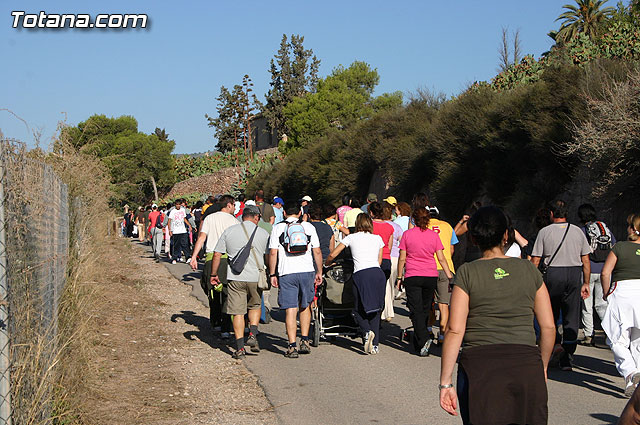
point(400, 294)
point(239, 354)
point(424, 351)
point(632, 383)
point(291, 353)
point(252, 342)
point(566, 363)
point(368, 343)
point(587, 340)
point(556, 354)
point(225, 335)
point(305, 348)
point(375, 349)
point(173, 261)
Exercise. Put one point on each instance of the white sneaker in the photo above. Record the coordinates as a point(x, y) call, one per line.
point(375, 350)
point(400, 294)
point(632, 383)
point(173, 261)
point(368, 343)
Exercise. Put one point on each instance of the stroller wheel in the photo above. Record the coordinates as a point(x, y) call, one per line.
point(317, 327)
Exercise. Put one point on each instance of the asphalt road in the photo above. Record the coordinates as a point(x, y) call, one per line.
point(338, 384)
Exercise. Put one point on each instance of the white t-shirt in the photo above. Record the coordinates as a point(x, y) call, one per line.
point(288, 264)
point(177, 221)
point(514, 251)
point(214, 225)
point(365, 248)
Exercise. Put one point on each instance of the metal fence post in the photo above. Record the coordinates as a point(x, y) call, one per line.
point(5, 381)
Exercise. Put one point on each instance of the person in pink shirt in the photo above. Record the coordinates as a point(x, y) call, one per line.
point(385, 231)
point(418, 271)
point(346, 206)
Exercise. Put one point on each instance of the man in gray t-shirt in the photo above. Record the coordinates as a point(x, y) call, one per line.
point(243, 293)
point(566, 270)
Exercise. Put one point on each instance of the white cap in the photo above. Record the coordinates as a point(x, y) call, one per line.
point(307, 198)
point(154, 206)
point(250, 202)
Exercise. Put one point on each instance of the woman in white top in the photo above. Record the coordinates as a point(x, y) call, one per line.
point(369, 281)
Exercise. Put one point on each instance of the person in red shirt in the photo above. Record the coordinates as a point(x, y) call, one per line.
point(385, 231)
point(156, 234)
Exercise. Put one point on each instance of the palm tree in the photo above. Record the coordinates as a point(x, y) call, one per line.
point(582, 18)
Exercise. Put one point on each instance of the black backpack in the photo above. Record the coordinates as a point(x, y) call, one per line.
point(600, 239)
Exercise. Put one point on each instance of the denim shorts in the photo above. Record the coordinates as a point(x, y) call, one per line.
point(296, 289)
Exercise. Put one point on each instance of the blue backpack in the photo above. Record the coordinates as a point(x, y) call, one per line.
point(294, 239)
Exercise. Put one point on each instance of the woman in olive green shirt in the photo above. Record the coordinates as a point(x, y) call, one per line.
point(501, 372)
point(621, 321)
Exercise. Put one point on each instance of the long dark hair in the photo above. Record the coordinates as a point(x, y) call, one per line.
point(421, 218)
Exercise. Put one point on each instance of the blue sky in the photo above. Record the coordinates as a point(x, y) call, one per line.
point(169, 75)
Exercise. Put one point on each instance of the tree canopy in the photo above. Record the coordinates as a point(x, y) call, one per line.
point(136, 161)
point(341, 99)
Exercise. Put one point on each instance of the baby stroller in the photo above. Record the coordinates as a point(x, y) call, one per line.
point(332, 312)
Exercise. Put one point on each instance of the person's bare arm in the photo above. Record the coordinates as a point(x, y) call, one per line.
point(535, 261)
point(273, 261)
point(402, 259)
point(272, 219)
point(631, 413)
point(544, 315)
point(169, 226)
point(332, 243)
point(317, 256)
point(334, 253)
point(461, 226)
point(215, 265)
point(458, 312)
point(380, 256)
point(199, 244)
point(605, 276)
point(520, 240)
point(443, 263)
point(586, 276)
point(390, 242)
point(344, 230)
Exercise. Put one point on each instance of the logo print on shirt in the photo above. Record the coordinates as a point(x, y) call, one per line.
point(637, 251)
point(499, 273)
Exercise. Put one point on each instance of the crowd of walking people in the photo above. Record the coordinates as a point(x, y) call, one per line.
point(508, 306)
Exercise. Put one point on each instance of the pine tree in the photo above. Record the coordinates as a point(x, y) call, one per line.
point(294, 73)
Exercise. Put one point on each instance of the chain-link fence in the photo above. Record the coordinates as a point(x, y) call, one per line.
point(34, 251)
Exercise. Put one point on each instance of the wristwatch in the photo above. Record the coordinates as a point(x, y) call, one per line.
point(273, 275)
point(442, 387)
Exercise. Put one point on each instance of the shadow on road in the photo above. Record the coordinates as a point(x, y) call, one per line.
point(605, 418)
point(203, 333)
point(188, 277)
point(597, 383)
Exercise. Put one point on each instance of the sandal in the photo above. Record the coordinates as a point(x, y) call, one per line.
point(291, 353)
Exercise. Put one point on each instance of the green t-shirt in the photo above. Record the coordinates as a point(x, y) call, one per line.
point(501, 295)
point(628, 263)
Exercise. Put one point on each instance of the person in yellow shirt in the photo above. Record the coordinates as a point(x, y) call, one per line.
point(351, 215)
point(449, 239)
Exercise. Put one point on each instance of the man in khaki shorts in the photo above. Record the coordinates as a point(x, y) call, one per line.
point(243, 294)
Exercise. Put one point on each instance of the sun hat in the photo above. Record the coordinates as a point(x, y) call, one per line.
point(391, 200)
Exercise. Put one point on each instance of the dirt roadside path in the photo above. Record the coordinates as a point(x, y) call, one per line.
point(154, 360)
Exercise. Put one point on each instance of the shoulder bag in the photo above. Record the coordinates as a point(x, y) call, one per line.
point(263, 281)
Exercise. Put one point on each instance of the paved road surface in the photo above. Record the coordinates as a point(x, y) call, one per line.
point(338, 384)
